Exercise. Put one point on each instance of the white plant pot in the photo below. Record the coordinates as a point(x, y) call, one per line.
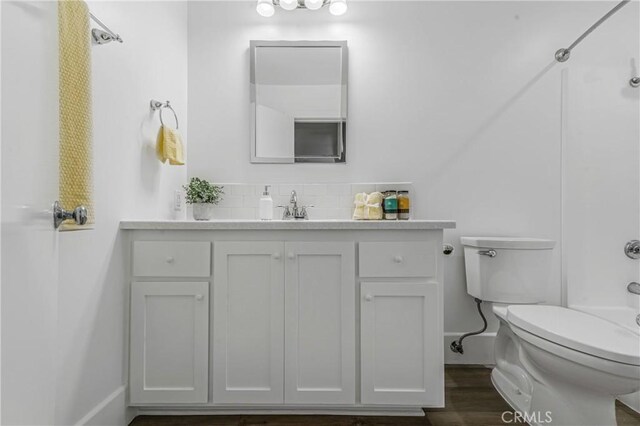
point(202, 211)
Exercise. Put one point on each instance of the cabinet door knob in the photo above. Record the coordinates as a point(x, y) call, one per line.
point(398, 259)
point(276, 256)
point(199, 297)
point(291, 256)
point(170, 259)
point(368, 298)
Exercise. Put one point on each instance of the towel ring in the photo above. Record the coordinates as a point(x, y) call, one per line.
point(172, 110)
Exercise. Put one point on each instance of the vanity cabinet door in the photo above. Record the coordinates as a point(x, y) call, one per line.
point(401, 344)
point(169, 342)
point(320, 323)
point(248, 329)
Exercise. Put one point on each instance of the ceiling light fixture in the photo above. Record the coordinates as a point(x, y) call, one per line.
point(266, 8)
point(313, 4)
point(289, 4)
point(338, 7)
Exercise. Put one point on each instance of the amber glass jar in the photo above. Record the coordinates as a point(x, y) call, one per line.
point(404, 209)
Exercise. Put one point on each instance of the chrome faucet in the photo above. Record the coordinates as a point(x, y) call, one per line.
point(634, 288)
point(292, 211)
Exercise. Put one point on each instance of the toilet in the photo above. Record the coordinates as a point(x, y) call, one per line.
point(554, 365)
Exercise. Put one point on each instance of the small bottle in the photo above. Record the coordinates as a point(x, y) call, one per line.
point(391, 206)
point(179, 211)
point(266, 205)
point(403, 205)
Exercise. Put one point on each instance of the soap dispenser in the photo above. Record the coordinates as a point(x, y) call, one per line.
point(266, 205)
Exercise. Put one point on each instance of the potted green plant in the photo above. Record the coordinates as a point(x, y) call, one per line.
point(203, 196)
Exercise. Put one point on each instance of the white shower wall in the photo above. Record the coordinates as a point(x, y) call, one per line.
point(601, 159)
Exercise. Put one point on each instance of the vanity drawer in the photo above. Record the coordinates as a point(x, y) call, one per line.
point(397, 259)
point(171, 259)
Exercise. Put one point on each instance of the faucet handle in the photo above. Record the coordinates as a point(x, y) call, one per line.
point(286, 214)
point(303, 212)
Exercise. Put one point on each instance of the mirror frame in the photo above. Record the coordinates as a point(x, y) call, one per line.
point(253, 44)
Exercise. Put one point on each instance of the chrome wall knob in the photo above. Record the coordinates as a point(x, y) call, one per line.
point(632, 249)
point(79, 215)
point(634, 288)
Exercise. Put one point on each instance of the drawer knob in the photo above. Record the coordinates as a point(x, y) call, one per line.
point(199, 297)
point(398, 259)
point(291, 256)
point(170, 259)
point(368, 298)
point(276, 256)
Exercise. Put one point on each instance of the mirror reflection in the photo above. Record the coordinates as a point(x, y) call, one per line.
point(298, 101)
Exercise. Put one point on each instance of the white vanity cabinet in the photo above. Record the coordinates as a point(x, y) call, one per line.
point(320, 318)
point(169, 342)
point(248, 322)
point(284, 322)
point(341, 317)
point(399, 334)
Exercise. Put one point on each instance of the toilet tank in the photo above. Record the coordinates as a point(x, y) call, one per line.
point(508, 270)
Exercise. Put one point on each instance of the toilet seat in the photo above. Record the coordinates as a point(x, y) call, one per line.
point(578, 331)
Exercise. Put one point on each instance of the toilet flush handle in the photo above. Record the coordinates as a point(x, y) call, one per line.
point(490, 253)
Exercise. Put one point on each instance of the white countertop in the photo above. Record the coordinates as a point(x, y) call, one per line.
point(221, 225)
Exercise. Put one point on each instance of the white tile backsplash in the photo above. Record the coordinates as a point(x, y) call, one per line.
point(330, 201)
point(357, 188)
point(315, 189)
point(285, 189)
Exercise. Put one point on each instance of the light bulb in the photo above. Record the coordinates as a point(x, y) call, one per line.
point(313, 4)
point(338, 7)
point(265, 8)
point(289, 4)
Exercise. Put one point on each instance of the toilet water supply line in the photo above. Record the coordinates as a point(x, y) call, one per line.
point(456, 345)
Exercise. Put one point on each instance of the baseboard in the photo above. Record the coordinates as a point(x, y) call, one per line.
point(329, 410)
point(112, 411)
point(477, 349)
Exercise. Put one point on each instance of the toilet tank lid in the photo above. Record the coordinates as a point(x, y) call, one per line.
point(508, 243)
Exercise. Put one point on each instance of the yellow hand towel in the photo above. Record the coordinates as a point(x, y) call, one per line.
point(169, 146)
point(373, 208)
point(75, 168)
point(359, 202)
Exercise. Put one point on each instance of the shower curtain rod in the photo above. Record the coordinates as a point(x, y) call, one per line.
point(563, 54)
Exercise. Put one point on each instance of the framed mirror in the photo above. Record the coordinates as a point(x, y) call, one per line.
point(298, 101)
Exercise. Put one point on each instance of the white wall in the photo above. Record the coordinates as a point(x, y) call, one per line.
point(461, 98)
point(89, 348)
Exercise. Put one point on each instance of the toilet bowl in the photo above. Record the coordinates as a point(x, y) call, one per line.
point(556, 365)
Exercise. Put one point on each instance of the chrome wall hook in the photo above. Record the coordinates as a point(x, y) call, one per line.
point(634, 82)
point(106, 36)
